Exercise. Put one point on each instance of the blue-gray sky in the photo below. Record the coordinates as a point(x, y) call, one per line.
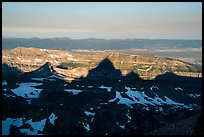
point(154, 20)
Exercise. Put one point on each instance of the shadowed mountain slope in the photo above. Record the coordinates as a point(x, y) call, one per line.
point(105, 70)
point(43, 71)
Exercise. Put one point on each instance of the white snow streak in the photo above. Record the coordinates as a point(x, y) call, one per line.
point(89, 113)
point(151, 88)
point(194, 95)
point(52, 118)
point(178, 88)
point(108, 88)
point(74, 91)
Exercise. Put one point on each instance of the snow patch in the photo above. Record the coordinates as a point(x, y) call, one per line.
point(74, 91)
point(43, 50)
point(55, 76)
point(112, 100)
point(103, 103)
point(38, 79)
point(8, 122)
point(9, 95)
point(151, 88)
point(171, 102)
point(51, 79)
point(86, 126)
point(178, 88)
point(122, 126)
point(29, 101)
point(128, 116)
point(57, 62)
point(26, 90)
point(51, 56)
point(38, 60)
point(107, 88)
point(146, 108)
point(89, 113)
point(123, 100)
point(91, 108)
point(4, 83)
point(52, 118)
point(142, 98)
point(194, 95)
point(37, 126)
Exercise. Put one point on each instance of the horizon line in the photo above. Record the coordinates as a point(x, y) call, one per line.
point(3, 37)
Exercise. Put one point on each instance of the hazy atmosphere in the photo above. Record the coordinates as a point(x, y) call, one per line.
point(156, 20)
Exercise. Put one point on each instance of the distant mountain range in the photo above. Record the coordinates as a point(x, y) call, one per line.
point(98, 44)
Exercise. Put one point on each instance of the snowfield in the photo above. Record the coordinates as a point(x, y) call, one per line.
point(8, 122)
point(37, 126)
point(27, 90)
point(18, 122)
point(141, 98)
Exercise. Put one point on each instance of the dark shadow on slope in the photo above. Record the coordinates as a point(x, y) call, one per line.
point(132, 76)
point(10, 73)
point(104, 71)
point(42, 72)
point(163, 85)
point(62, 67)
point(187, 80)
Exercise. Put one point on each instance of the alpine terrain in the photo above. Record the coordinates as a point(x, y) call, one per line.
point(46, 92)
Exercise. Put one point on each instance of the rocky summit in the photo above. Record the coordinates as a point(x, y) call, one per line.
point(96, 99)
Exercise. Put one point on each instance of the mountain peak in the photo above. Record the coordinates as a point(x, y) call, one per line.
point(46, 68)
point(43, 71)
point(105, 65)
point(105, 69)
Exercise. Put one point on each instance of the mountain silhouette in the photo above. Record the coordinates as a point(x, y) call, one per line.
point(46, 69)
point(105, 70)
point(175, 77)
point(132, 76)
point(43, 71)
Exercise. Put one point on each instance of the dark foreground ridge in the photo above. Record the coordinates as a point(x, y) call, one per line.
point(103, 103)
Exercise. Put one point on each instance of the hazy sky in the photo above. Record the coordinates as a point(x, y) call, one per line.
point(103, 20)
